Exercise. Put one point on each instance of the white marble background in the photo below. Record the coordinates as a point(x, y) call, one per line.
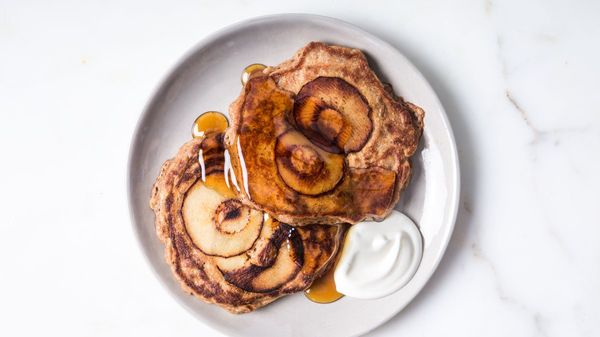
point(520, 81)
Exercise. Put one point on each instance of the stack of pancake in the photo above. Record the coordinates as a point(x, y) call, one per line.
point(255, 212)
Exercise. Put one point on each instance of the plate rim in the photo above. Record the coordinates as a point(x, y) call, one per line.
point(172, 72)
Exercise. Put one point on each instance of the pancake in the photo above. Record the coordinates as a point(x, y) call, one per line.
point(223, 251)
point(319, 139)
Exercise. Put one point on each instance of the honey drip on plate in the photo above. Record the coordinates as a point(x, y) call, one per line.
point(251, 69)
point(323, 290)
point(210, 121)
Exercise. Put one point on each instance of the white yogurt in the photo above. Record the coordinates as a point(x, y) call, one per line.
point(379, 258)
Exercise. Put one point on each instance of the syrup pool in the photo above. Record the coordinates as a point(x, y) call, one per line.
point(251, 69)
point(210, 121)
point(323, 290)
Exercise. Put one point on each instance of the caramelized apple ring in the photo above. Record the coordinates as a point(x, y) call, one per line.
point(332, 113)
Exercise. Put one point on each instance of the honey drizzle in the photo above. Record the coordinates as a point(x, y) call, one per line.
point(323, 289)
point(210, 121)
point(206, 123)
point(250, 70)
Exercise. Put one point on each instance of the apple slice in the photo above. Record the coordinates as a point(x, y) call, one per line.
point(285, 241)
point(334, 114)
point(218, 225)
point(305, 167)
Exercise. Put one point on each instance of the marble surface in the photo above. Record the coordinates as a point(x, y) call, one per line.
point(519, 81)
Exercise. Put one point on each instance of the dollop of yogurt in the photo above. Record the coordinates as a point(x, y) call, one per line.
point(379, 258)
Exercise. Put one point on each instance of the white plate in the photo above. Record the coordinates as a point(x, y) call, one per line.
point(208, 78)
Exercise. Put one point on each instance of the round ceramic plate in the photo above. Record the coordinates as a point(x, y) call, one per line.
point(208, 78)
